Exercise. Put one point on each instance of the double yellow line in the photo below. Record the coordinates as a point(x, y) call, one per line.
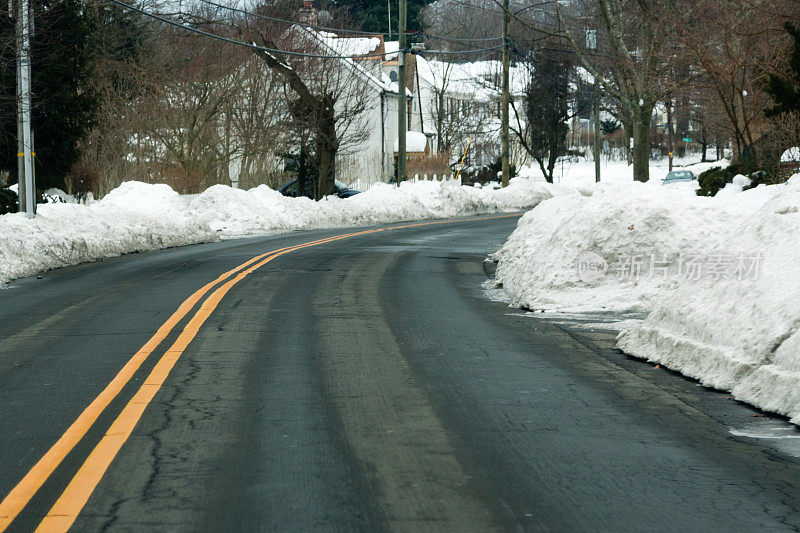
point(66, 509)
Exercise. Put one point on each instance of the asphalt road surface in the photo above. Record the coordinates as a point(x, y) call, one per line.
point(364, 383)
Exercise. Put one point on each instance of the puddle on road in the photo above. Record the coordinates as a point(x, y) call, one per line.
point(779, 434)
point(590, 320)
point(595, 320)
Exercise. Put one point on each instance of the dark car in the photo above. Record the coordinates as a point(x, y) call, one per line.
point(679, 176)
point(339, 189)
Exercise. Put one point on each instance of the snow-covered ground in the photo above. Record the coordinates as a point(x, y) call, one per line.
point(580, 172)
point(138, 216)
point(718, 279)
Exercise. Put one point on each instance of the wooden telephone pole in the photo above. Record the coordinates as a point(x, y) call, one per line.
point(26, 190)
point(504, 135)
point(402, 123)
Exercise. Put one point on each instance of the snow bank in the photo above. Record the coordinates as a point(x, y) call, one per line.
point(636, 234)
point(719, 278)
point(232, 212)
point(740, 333)
point(138, 216)
point(134, 217)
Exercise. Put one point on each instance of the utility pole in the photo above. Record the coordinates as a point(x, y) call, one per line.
point(402, 123)
point(591, 44)
point(26, 187)
point(596, 147)
point(504, 136)
point(389, 9)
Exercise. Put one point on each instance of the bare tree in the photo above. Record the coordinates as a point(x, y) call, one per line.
point(254, 125)
point(630, 60)
point(328, 95)
point(736, 42)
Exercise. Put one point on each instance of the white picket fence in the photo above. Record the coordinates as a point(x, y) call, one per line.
point(363, 184)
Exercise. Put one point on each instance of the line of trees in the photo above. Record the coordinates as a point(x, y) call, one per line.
point(708, 66)
point(120, 97)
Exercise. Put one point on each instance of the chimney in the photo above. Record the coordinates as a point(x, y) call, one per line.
point(308, 14)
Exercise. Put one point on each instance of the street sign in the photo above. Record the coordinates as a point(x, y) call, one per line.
point(687, 140)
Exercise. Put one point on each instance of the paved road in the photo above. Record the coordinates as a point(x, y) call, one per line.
point(361, 384)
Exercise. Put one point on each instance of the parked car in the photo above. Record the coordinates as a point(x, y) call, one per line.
point(339, 189)
point(679, 176)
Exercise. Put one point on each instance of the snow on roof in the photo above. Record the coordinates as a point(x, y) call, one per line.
point(350, 46)
point(347, 46)
point(391, 48)
point(584, 74)
point(415, 142)
point(791, 155)
point(478, 79)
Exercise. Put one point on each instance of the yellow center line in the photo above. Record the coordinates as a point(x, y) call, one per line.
point(66, 509)
point(21, 494)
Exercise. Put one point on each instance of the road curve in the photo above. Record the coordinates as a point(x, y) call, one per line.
point(362, 383)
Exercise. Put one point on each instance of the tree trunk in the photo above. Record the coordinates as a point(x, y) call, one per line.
point(304, 183)
point(641, 145)
point(670, 135)
point(704, 143)
point(627, 129)
point(327, 146)
point(551, 165)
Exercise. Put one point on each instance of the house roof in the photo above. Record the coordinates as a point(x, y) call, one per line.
point(477, 79)
point(333, 44)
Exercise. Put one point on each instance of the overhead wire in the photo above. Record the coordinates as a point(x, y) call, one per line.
point(345, 30)
point(287, 21)
point(229, 40)
point(449, 52)
point(254, 46)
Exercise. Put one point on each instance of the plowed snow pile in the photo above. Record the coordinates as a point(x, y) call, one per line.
point(138, 216)
point(234, 212)
point(719, 277)
point(134, 217)
point(741, 335)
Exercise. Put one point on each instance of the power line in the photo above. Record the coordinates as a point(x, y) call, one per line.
point(251, 46)
point(254, 46)
point(275, 19)
point(345, 30)
point(447, 52)
point(460, 40)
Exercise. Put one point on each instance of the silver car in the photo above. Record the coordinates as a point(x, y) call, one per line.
point(679, 176)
